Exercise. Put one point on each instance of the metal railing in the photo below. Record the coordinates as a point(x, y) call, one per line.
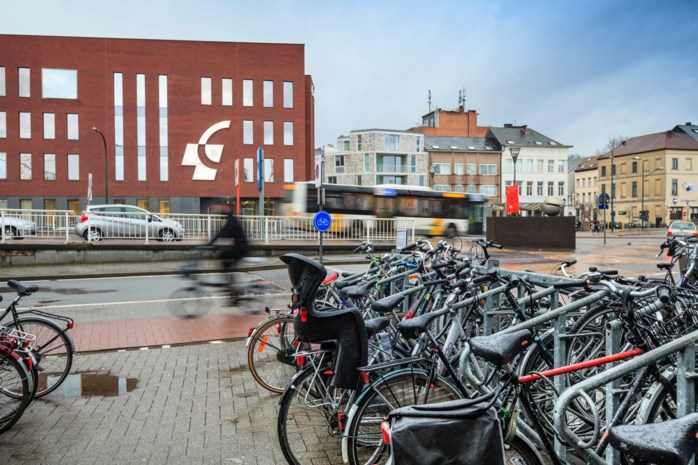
point(60, 225)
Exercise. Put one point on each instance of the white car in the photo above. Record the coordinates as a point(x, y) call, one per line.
point(682, 229)
point(16, 228)
point(125, 221)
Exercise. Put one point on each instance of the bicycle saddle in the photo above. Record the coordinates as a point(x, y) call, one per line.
point(413, 327)
point(501, 349)
point(376, 325)
point(672, 442)
point(359, 290)
point(386, 304)
point(21, 288)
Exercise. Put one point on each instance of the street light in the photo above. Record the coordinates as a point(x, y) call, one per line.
point(106, 165)
point(613, 189)
point(642, 201)
point(514, 155)
point(432, 172)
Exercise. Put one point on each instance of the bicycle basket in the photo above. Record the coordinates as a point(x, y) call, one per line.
point(678, 318)
point(446, 433)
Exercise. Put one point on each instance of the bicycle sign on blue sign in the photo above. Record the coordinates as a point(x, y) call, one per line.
point(322, 221)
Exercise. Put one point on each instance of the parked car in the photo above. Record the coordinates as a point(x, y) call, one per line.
point(125, 221)
point(682, 229)
point(17, 228)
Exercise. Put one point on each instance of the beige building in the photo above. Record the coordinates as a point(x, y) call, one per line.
point(655, 173)
point(586, 181)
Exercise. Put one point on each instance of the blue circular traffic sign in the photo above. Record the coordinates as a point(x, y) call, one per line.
point(322, 221)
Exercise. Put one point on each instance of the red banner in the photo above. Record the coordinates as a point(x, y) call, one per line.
point(512, 200)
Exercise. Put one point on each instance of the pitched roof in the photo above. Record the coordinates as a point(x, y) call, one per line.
point(688, 128)
point(588, 164)
point(459, 144)
point(672, 139)
point(522, 136)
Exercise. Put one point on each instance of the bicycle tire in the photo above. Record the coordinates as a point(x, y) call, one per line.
point(308, 424)
point(518, 452)
point(53, 348)
point(14, 377)
point(270, 351)
point(187, 302)
point(398, 389)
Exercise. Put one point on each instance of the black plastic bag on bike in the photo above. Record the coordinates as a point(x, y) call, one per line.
point(458, 432)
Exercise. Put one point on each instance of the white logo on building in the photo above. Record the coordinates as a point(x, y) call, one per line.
point(213, 153)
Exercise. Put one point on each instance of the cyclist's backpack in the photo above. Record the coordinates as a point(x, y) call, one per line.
point(459, 432)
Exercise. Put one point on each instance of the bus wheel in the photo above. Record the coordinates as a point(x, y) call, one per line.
point(451, 231)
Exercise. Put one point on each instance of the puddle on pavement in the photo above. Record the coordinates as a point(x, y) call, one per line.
point(91, 384)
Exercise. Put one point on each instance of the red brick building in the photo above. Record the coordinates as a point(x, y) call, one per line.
point(176, 116)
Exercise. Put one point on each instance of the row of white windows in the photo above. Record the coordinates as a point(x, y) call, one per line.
point(268, 128)
point(472, 169)
point(586, 182)
point(528, 165)
point(540, 188)
point(26, 172)
point(489, 190)
point(25, 125)
point(247, 92)
point(55, 83)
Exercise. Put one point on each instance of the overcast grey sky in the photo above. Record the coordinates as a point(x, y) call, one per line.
point(579, 72)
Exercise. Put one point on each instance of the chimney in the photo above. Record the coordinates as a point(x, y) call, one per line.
point(461, 109)
point(524, 128)
point(689, 123)
point(508, 125)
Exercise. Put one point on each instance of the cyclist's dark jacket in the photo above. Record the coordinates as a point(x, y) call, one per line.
point(233, 230)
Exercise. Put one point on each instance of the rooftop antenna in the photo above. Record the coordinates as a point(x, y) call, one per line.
point(429, 100)
point(463, 96)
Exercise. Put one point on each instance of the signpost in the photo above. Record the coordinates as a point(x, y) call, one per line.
point(322, 222)
point(603, 205)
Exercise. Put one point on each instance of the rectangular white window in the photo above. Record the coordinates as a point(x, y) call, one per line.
point(50, 166)
point(3, 88)
point(268, 133)
point(206, 91)
point(73, 167)
point(25, 125)
point(24, 83)
point(268, 94)
point(247, 134)
point(3, 165)
point(248, 170)
point(442, 168)
point(561, 166)
point(488, 169)
point(288, 94)
point(288, 170)
point(49, 126)
point(268, 170)
point(288, 133)
point(458, 170)
point(551, 167)
point(227, 92)
point(392, 142)
point(539, 164)
point(247, 97)
point(25, 166)
point(472, 169)
point(458, 188)
point(59, 83)
point(73, 127)
point(488, 190)
point(471, 189)
point(3, 125)
point(561, 189)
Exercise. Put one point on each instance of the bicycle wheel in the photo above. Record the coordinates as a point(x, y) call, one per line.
point(270, 350)
point(14, 378)
point(309, 422)
point(398, 389)
point(188, 302)
point(53, 349)
point(518, 452)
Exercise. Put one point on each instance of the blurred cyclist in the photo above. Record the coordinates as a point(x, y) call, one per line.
point(231, 244)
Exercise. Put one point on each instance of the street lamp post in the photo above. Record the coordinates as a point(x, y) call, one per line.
point(514, 156)
point(432, 172)
point(106, 165)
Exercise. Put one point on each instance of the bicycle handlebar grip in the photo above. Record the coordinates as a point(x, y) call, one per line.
point(358, 249)
point(664, 294)
point(409, 248)
point(570, 283)
point(495, 245)
point(570, 262)
point(608, 272)
point(439, 264)
point(490, 276)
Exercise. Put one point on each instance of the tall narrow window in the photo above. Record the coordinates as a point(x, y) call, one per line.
point(164, 138)
point(49, 126)
point(247, 134)
point(227, 92)
point(3, 88)
point(3, 125)
point(288, 170)
point(3, 165)
point(140, 125)
point(268, 133)
point(288, 94)
point(73, 167)
point(288, 133)
point(118, 126)
point(268, 170)
point(73, 127)
point(25, 125)
point(248, 170)
point(247, 98)
point(50, 166)
point(25, 166)
point(268, 94)
point(206, 91)
point(24, 82)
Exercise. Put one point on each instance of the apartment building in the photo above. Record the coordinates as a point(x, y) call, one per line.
point(586, 181)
